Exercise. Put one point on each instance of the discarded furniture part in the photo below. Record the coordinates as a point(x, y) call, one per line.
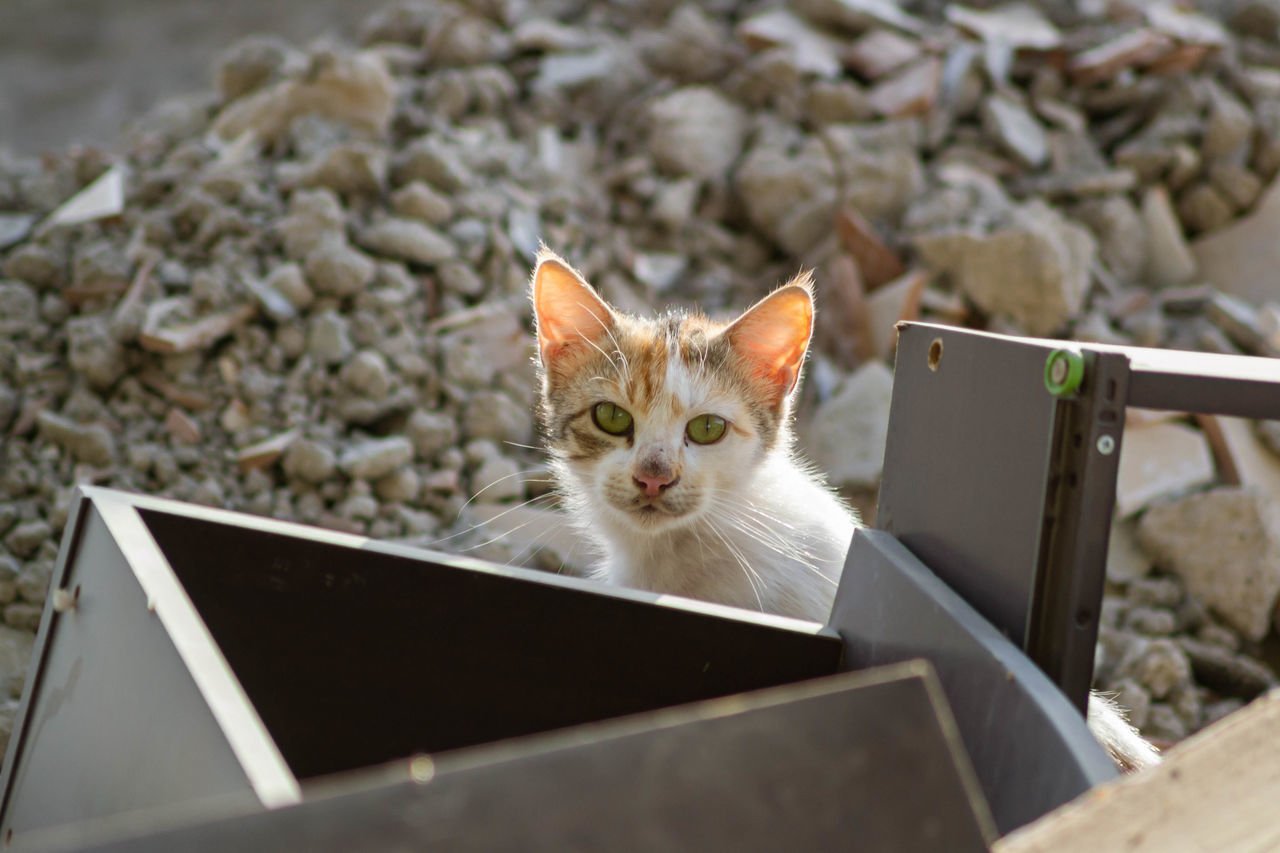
point(1217, 790)
point(1001, 466)
point(891, 608)
point(208, 662)
point(803, 766)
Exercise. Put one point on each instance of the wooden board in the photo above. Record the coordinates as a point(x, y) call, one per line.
point(1217, 790)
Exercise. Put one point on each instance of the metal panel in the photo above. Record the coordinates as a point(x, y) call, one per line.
point(966, 465)
point(865, 760)
point(1030, 747)
point(110, 719)
point(354, 657)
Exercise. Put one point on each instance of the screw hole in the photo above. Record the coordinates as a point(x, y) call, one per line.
point(935, 354)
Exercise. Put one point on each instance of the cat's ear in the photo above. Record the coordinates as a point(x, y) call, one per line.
point(568, 312)
point(773, 335)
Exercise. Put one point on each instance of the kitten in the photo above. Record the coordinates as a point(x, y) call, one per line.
point(671, 442)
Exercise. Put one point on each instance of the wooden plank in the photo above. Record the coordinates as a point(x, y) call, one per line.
point(1217, 791)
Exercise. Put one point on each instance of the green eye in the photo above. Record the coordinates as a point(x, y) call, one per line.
point(706, 429)
point(614, 420)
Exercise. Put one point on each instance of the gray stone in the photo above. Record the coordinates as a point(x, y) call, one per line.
point(1164, 723)
point(497, 479)
point(1222, 544)
point(1035, 269)
point(400, 486)
point(1159, 665)
point(1151, 621)
point(1236, 184)
point(1226, 672)
point(495, 416)
point(35, 264)
point(367, 374)
point(93, 351)
point(1121, 235)
point(89, 443)
point(336, 269)
point(359, 508)
point(431, 432)
point(309, 460)
point(458, 277)
point(418, 200)
point(376, 457)
point(1229, 127)
point(14, 228)
point(250, 64)
point(790, 197)
point(1155, 592)
point(288, 281)
point(846, 435)
point(351, 168)
point(1203, 208)
point(1015, 129)
point(696, 131)
point(19, 308)
point(315, 217)
point(1169, 258)
point(33, 583)
point(24, 617)
point(27, 537)
point(329, 338)
point(408, 240)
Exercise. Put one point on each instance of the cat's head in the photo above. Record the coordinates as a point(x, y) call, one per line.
point(655, 418)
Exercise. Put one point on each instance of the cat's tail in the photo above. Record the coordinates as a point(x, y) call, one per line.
point(1128, 749)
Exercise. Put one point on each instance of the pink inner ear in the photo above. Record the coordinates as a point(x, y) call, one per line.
point(773, 335)
point(568, 311)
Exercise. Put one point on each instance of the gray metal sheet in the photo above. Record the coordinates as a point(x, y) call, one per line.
point(1029, 745)
point(966, 465)
point(111, 719)
point(864, 761)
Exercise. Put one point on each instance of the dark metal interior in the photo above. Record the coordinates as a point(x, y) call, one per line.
point(353, 662)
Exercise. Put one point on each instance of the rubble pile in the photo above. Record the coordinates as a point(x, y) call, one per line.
point(302, 294)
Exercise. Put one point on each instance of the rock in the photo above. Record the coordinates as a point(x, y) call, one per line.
point(1229, 127)
point(288, 281)
point(1234, 257)
point(880, 51)
point(1236, 184)
point(309, 460)
point(1203, 208)
point(1227, 673)
point(1126, 561)
point(695, 131)
point(367, 374)
point(33, 584)
point(1134, 698)
point(1159, 665)
point(400, 486)
point(1169, 259)
point(352, 168)
point(329, 338)
point(1013, 127)
point(24, 617)
point(1151, 621)
point(789, 197)
point(19, 308)
point(336, 269)
point(374, 458)
point(912, 90)
point(93, 352)
point(92, 444)
point(458, 277)
point(495, 416)
point(431, 432)
point(1222, 544)
point(1034, 269)
point(846, 436)
point(315, 218)
point(16, 647)
point(408, 240)
point(14, 228)
point(1121, 234)
point(497, 479)
point(352, 88)
point(1160, 459)
point(417, 200)
point(250, 64)
point(27, 537)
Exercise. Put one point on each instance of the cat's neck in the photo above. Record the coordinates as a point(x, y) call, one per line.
point(777, 546)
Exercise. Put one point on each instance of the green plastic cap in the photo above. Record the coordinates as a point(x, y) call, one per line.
point(1063, 372)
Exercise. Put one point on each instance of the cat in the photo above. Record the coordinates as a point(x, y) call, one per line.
point(670, 440)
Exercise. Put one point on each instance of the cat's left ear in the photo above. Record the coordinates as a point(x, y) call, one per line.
point(773, 335)
point(568, 312)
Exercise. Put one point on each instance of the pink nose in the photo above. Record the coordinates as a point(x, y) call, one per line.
point(653, 485)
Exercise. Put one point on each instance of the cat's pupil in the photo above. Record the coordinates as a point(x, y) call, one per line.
point(611, 418)
point(706, 429)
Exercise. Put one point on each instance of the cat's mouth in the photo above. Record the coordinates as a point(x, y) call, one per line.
point(654, 511)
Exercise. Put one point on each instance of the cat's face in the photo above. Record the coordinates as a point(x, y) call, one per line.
point(654, 419)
